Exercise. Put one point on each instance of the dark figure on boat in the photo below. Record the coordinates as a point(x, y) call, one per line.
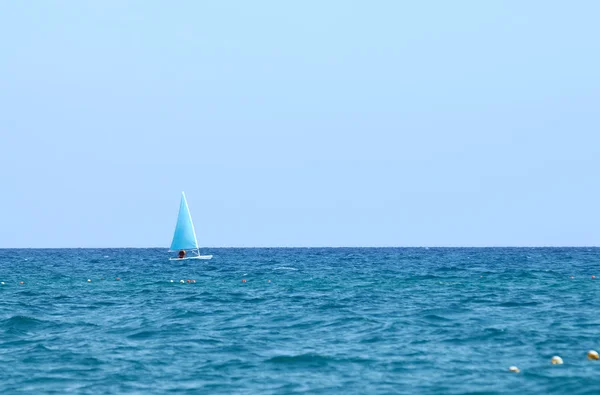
point(181, 254)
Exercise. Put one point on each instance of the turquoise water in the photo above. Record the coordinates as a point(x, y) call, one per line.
point(330, 321)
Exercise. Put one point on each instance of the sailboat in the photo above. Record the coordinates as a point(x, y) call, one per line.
point(184, 238)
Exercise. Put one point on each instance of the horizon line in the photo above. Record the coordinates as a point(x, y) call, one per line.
point(297, 247)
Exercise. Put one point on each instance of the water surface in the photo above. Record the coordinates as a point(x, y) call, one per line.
point(318, 321)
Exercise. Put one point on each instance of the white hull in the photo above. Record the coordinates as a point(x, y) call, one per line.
point(192, 257)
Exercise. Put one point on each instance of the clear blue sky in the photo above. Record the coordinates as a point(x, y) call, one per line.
point(305, 123)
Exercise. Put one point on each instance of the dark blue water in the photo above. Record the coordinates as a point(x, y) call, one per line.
point(330, 321)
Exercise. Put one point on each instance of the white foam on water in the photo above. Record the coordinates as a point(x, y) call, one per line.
point(285, 268)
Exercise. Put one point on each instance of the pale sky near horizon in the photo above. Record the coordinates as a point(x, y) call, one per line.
point(307, 123)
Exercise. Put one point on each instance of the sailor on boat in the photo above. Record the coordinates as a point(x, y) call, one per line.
point(181, 254)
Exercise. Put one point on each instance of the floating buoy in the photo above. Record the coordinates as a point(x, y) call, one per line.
point(117, 279)
point(194, 281)
point(572, 277)
point(181, 281)
point(171, 280)
point(593, 276)
point(514, 369)
point(593, 355)
point(21, 282)
point(189, 281)
point(2, 283)
point(556, 360)
point(244, 280)
point(89, 281)
point(269, 281)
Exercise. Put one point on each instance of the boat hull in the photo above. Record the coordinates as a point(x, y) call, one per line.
point(192, 257)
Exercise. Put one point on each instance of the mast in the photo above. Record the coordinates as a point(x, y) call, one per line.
point(190, 217)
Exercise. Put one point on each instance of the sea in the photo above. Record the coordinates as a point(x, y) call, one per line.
point(300, 320)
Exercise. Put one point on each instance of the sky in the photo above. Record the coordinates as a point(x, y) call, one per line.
point(300, 123)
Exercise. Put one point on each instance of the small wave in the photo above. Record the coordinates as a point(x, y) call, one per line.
point(21, 321)
point(185, 314)
point(451, 269)
point(436, 318)
point(517, 304)
point(142, 335)
point(40, 348)
point(312, 359)
point(102, 303)
point(285, 268)
point(302, 359)
point(425, 277)
point(21, 324)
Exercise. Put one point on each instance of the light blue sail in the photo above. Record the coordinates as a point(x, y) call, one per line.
point(185, 235)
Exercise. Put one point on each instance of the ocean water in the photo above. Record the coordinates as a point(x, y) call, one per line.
point(316, 321)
